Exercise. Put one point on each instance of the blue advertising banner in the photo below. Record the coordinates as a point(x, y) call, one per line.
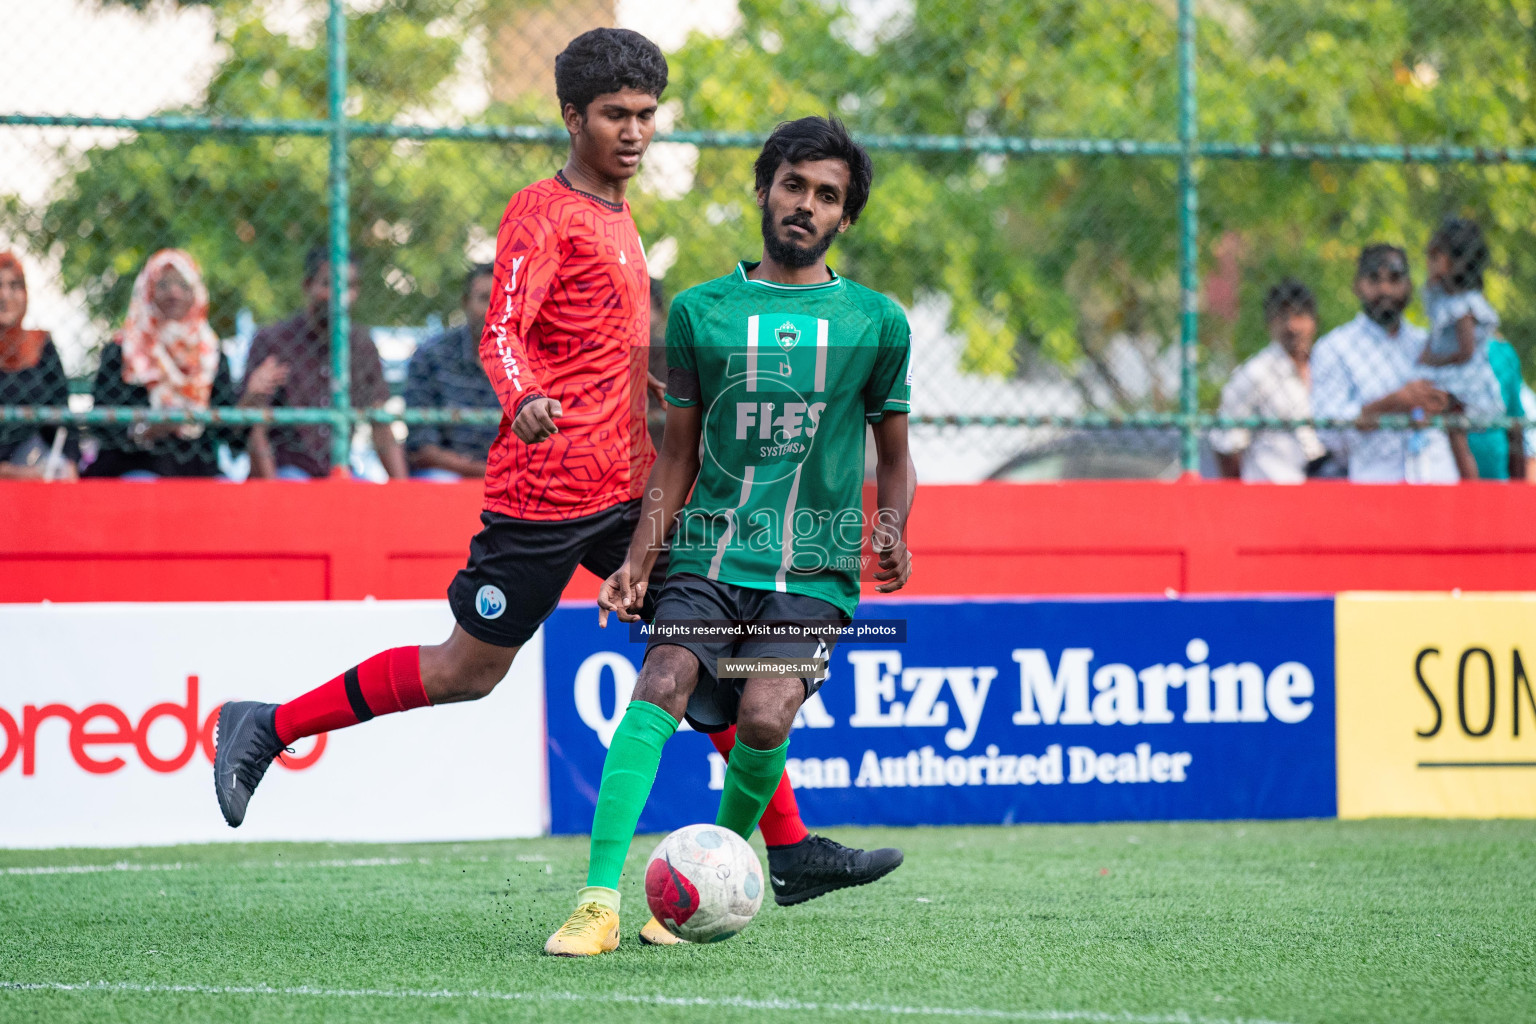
point(1003, 711)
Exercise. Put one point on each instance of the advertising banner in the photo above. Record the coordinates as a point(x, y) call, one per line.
point(1003, 711)
point(1437, 705)
point(107, 714)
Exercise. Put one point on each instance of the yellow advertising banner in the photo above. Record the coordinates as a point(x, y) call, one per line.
point(1437, 705)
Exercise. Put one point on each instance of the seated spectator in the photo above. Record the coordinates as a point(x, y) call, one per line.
point(1369, 368)
point(165, 357)
point(446, 373)
point(30, 374)
point(291, 368)
point(1274, 384)
point(1500, 454)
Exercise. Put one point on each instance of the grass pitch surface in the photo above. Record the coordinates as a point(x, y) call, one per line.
point(1300, 922)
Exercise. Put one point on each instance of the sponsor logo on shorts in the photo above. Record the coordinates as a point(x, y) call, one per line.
point(490, 602)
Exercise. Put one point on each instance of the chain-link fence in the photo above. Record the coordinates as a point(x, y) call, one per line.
point(1082, 205)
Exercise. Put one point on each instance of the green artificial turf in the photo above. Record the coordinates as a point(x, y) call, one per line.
point(1303, 922)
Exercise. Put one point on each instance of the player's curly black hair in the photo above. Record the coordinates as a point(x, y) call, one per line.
point(607, 60)
point(1289, 296)
point(1461, 241)
point(818, 138)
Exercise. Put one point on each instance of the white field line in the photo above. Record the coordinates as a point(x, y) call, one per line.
point(124, 865)
point(703, 1002)
point(91, 869)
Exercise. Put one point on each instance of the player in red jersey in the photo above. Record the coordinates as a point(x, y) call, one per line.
point(565, 344)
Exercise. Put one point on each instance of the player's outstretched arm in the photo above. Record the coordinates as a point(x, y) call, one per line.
point(895, 489)
point(671, 480)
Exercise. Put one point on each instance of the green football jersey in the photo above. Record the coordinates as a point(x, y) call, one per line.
point(788, 377)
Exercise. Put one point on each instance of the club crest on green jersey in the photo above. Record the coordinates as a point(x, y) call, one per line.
point(788, 335)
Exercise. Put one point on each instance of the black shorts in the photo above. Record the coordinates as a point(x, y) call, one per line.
point(518, 569)
point(686, 597)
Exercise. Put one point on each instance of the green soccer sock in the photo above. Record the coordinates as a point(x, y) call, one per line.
point(629, 771)
point(751, 776)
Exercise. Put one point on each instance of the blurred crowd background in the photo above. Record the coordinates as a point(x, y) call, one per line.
point(1095, 238)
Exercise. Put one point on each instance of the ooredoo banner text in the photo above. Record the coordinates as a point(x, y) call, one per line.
point(107, 714)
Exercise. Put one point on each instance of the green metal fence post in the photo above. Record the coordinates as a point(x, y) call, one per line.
point(1189, 275)
point(340, 254)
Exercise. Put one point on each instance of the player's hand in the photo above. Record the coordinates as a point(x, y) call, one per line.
point(536, 420)
point(895, 566)
point(657, 387)
point(622, 594)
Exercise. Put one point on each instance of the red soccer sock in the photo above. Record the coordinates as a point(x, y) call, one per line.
point(780, 823)
point(387, 682)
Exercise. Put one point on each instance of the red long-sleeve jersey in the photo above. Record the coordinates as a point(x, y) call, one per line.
point(569, 320)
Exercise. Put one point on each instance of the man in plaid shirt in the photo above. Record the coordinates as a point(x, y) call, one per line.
point(1368, 368)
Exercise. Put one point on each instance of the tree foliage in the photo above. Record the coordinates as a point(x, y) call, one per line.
point(1060, 254)
point(249, 207)
point(1038, 256)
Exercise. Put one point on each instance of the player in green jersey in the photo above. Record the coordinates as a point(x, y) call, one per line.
point(776, 368)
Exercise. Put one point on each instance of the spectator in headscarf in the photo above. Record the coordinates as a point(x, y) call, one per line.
point(165, 357)
point(30, 374)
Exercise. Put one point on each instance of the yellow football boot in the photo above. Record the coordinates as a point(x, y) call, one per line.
point(591, 929)
point(656, 934)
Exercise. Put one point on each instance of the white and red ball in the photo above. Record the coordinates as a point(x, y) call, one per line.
point(704, 883)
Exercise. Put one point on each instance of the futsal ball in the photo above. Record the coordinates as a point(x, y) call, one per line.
point(704, 883)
